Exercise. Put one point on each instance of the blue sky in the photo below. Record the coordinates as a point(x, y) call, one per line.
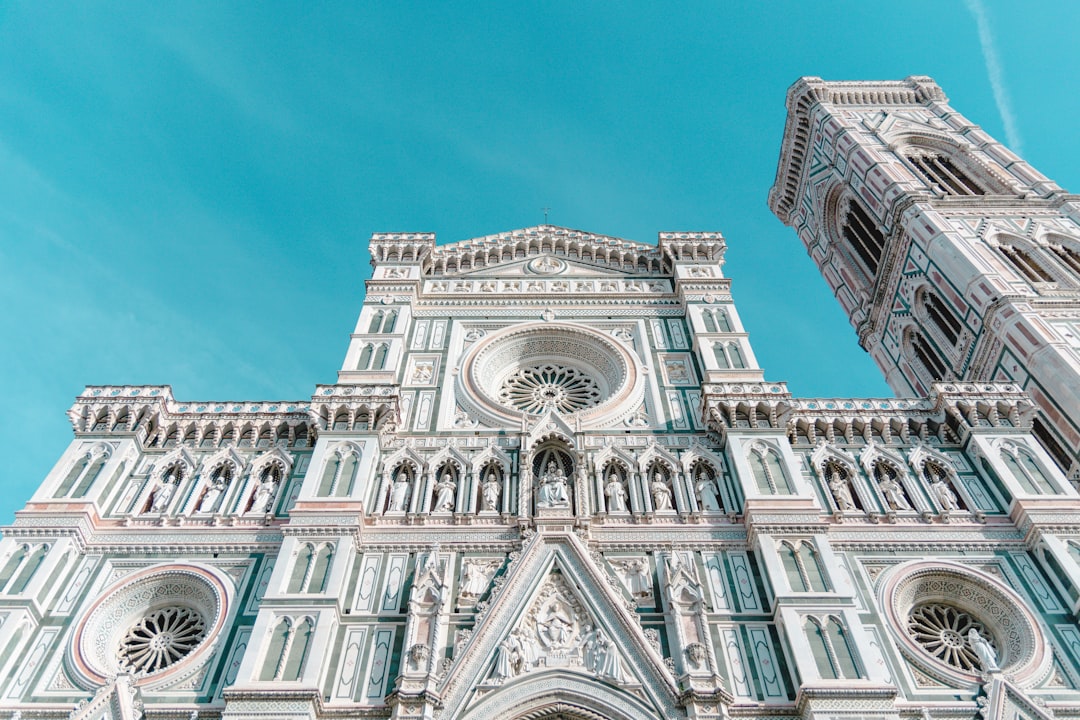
point(187, 190)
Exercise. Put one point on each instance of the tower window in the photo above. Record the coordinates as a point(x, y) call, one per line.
point(864, 236)
point(929, 359)
point(944, 320)
point(1069, 257)
point(941, 174)
point(1025, 264)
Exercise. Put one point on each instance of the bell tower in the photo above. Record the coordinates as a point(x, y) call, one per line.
point(954, 259)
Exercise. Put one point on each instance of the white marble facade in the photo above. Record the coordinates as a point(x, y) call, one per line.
point(551, 481)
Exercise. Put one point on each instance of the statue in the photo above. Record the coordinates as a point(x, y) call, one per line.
point(553, 490)
point(516, 654)
point(708, 493)
point(476, 579)
point(444, 494)
point(556, 627)
point(491, 491)
point(841, 491)
point(162, 494)
point(209, 500)
point(893, 492)
point(601, 656)
point(661, 493)
point(616, 494)
point(264, 494)
point(944, 494)
point(399, 493)
point(637, 580)
point(984, 650)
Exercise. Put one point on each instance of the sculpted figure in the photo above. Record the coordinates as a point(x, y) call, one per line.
point(264, 494)
point(637, 577)
point(708, 493)
point(163, 493)
point(661, 493)
point(399, 493)
point(209, 500)
point(444, 494)
point(602, 657)
point(983, 649)
point(553, 490)
point(491, 491)
point(476, 579)
point(893, 492)
point(616, 494)
point(841, 491)
point(944, 494)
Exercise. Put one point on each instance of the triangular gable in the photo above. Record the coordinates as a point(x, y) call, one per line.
point(545, 621)
point(549, 266)
point(1006, 701)
point(550, 425)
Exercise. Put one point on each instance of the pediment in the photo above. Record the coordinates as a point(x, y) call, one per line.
point(558, 615)
point(552, 266)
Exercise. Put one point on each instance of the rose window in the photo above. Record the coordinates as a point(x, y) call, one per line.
point(550, 386)
point(161, 638)
point(942, 631)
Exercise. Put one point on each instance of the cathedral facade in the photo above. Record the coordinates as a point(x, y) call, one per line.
point(551, 481)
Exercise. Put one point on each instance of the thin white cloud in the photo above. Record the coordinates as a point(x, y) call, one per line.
point(993, 69)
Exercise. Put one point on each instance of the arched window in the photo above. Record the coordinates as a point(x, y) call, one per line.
point(1027, 472)
point(932, 366)
point(768, 472)
point(301, 568)
point(339, 475)
point(320, 569)
point(709, 320)
point(391, 320)
point(1068, 257)
point(1050, 443)
point(376, 322)
point(27, 570)
point(274, 661)
point(1025, 264)
point(365, 357)
point(942, 174)
point(829, 644)
point(802, 568)
point(736, 356)
point(721, 356)
point(74, 473)
point(864, 236)
point(942, 318)
point(722, 321)
point(379, 361)
point(297, 650)
point(12, 565)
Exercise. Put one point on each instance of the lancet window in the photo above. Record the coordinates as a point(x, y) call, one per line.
point(84, 471)
point(21, 567)
point(728, 355)
point(339, 475)
point(1068, 257)
point(768, 469)
point(715, 321)
point(829, 644)
point(864, 236)
point(311, 568)
point(1026, 470)
point(373, 357)
point(1025, 264)
point(383, 322)
point(941, 173)
point(932, 366)
point(941, 317)
point(802, 566)
point(288, 649)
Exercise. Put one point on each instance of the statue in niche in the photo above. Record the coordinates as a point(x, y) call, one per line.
point(984, 650)
point(891, 490)
point(264, 493)
point(444, 494)
point(708, 493)
point(615, 491)
point(553, 489)
point(944, 494)
point(399, 493)
point(841, 490)
point(491, 491)
point(162, 493)
point(210, 497)
point(661, 493)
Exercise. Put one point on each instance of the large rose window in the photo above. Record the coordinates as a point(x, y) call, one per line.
point(161, 638)
point(943, 631)
point(568, 369)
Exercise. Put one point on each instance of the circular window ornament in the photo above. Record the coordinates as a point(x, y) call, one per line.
point(526, 371)
point(158, 623)
point(546, 265)
point(932, 609)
